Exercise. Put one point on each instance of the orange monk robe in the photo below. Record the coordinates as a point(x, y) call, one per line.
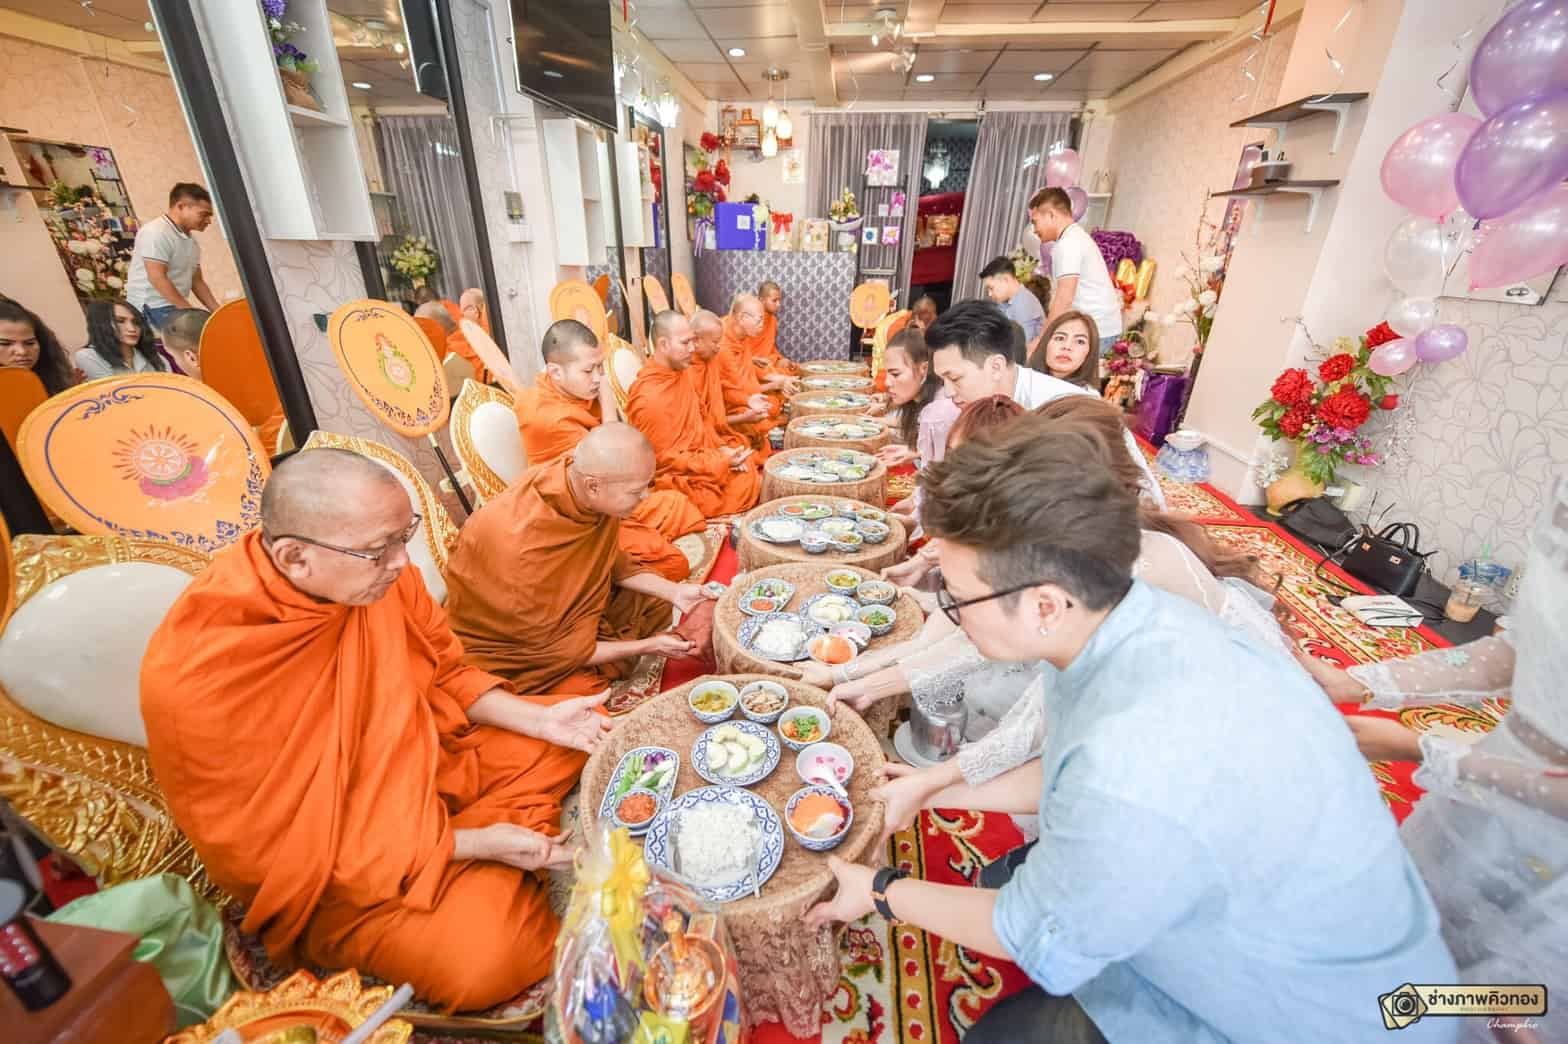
point(740, 380)
point(707, 378)
point(552, 423)
point(531, 588)
point(269, 429)
point(320, 757)
point(765, 349)
point(456, 342)
point(664, 406)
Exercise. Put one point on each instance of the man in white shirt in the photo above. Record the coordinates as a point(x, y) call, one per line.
point(1018, 304)
point(1078, 273)
point(977, 352)
point(165, 271)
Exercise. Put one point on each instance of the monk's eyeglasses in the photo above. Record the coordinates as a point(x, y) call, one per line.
point(951, 607)
point(377, 555)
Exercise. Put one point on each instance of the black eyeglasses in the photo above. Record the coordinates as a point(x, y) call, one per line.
point(951, 607)
point(377, 555)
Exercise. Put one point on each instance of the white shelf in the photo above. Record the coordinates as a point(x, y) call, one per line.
point(301, 117)
point(577, 175)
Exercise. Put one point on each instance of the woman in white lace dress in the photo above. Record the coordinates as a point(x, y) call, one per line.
point(1489, 835)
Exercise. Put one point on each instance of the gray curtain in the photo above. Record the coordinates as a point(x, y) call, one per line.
point(839, 144)
point(1009, 167)
point(423, 165)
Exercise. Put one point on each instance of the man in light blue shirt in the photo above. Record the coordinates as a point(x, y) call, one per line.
point(1215, 861)
point(1017, 302)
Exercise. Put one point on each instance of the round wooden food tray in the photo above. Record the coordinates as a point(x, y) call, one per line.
point(807, 403)
point(809, 580)
point(836, 368)
point(870, 490)
point(795, 439)
point(755, 552)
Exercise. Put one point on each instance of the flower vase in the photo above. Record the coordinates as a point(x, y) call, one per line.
point(1293, 485)
point(296, 90)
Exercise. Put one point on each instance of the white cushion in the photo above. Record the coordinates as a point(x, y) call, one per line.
point(419, 547)
point(493, 429)
point(72, 653)
point(626, 364)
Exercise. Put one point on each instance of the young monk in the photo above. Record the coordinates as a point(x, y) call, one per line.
point(708, 330)
point(471, 306)
point(742, 382)
point(565, 404)
point(540, 590)
point(664, 406)
point(765, 354)
point(372, 802)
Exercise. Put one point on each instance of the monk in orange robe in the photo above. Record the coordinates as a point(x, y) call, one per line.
point(565, 404)
point(539, 589)
point(708, 378)
point(765, 354)
point(719, 479)
point(742, 382)
point(370, 800)
point(473, 309)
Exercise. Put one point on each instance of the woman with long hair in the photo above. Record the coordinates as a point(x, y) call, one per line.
point(119, 342)
point(1070, 350)
point(917, 411)
point(27, 343)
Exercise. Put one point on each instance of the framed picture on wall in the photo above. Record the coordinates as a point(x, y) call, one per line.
point(882, 168)
point(728, 116)
point(748, 131)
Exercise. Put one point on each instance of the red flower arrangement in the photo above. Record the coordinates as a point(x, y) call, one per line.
point(1382, 333)
point(1323, 416)
point(721, 172)
point(710, 141)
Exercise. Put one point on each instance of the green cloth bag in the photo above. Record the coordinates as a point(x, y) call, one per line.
point(181, 935)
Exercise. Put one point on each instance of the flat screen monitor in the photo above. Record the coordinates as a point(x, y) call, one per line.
point(565, 56)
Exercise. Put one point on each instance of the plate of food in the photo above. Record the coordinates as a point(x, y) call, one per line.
point(832, 366)
point(838, 383)
point(771, 588)
point(847, 430)
point(844, 401)
point(735, 754)
point(809, 511)
point(802, 726)
point(724, 840)
point(641, 768)
point(844, 581)
point(780, 637)
point(829, 610)
point(837, 526)
point(778, 529)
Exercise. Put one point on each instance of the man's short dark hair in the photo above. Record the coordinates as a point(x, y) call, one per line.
point(182, 329)
point(188, 192)
point(1051, 199)
point(563, 339)
point(998, 266)
point(1037, 506)
point(979, 329)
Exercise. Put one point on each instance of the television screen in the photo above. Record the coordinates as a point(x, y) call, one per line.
point(565, 56)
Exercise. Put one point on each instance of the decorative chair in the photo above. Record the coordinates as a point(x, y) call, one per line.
point(458, 370)
point(888, 327)
point(621, 368)
point(285, 440)
point(437, 536)
point(73, 756)
point(21, 392)
point(685, 300)
point(575, 299)
point(485, 436)
point(653, 290)
point(234, 364)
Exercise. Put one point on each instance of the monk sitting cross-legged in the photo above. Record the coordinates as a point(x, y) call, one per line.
point(707, 376)
point(664, 405)
point(539, 589)
point(742, 381)
point(372, 801)
point(566, 403)
point(765, 354)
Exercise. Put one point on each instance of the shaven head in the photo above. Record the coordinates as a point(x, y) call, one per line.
point(672, 340)
point(335, 497)
point(181, 334)
point(746, 310)
point(611, 469)
point(709, 331)
point(437, 311)
point(472, 304)
point(574, 359)
point(771, 295)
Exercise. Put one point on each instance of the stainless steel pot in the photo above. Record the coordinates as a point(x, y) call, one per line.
point(937, 729)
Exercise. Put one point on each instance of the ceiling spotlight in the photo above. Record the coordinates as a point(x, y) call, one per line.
point(924, 78)
point(361, 84)
point(1044, 77)
point(397, 47)
point(737, 52)
point(554, 75)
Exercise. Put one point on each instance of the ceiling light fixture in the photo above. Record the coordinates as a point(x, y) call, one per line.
point(1044, 77)
point(669, 108)
point(924, 78)
point(397, 47)
point(770, 111)
point(737, 52)
point(361, 84)
point(786, 126)
point(770, 144)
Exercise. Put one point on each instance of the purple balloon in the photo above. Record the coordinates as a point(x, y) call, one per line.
point(1080, 201)
point(1515, 156)
point(1523, 55)
point(1063, 168)
point(1441, 343)
point(1418, 171)
point(1392, 358)
point(1529, 242)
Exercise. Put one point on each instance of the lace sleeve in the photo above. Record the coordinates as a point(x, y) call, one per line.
point(1464, 674)
point(937, 671)
point(1014, 741)
point(1450, 765)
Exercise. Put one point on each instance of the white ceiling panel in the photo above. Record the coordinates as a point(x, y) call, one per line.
point(1104, 12)
point(1017, 60)
point(942, 86)
point(689, 50)
point(955, 61)
point(1022, 84)
point(670, 23)
point(763, 48)
point(731, 3)
point(1174, 9)
point(972, 14)
point(706, 72)
point(120, 19)
point(771, 20)
point(1111, 70)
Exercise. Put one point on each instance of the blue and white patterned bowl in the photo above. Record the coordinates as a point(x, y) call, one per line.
point(658, 846)
point(636, 756)
point(770, 756)
point(713, 685)
point(813, 844)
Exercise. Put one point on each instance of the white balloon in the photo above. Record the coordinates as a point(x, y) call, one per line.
point(1417, 256)
point(1031, 240)
point(1410, 315)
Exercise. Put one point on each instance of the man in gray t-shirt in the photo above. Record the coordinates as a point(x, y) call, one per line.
point(1017, 301)
point(165, 271)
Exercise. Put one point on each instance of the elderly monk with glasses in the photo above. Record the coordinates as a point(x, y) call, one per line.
point(372, 801)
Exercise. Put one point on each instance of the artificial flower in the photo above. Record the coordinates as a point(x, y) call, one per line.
point(1182, 272)
point(1382, 333)
point(1388, 402)
point(1346, 408)
point(1292, 387)
point(1208, 297)
point(1336, 367)
point(1211, 263)
point(1295, 419)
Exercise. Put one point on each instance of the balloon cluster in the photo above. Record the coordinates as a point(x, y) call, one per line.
point(1062, 170)
point(1501, 176)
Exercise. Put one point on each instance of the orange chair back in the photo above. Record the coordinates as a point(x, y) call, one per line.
point(436, 332)
point(21, 392)
point(601, 286)
point(234, 365)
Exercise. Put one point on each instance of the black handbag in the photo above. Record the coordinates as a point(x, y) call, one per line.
point(1317, 521)
point(1390, 559)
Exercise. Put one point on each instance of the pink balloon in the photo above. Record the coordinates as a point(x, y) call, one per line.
point(1529, 242)
point(1062, 169)
point(1515, 156)
point(1441, 343)
point(1523, 55)
point(1418, 171)
point(1080, 201)
point(1393, 358)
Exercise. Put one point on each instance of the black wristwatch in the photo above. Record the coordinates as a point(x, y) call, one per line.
point(879, 886)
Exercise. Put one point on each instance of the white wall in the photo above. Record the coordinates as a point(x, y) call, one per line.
point(749, 172)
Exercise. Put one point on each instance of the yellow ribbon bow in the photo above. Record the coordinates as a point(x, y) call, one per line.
point(620, 899)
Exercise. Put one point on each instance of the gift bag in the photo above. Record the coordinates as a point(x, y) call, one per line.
point(1156, 415)
point(815, 236)
point(780, 238)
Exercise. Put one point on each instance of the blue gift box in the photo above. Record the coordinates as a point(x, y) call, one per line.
point(738, 228)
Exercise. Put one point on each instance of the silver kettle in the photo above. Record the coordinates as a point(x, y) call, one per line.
point(937, 727)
